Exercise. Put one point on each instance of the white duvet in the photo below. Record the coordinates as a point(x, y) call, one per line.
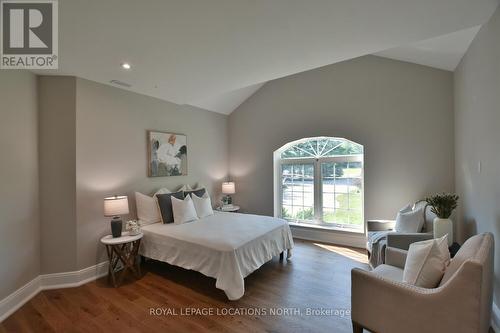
point(225, 246)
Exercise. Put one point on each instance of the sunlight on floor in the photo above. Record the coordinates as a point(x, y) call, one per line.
point(354, 254)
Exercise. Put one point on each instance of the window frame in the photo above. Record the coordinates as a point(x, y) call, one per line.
point(317, 182)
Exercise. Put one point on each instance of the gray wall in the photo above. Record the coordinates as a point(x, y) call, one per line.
point(111, 154)
point(57, 101)
point(19, 223)
point(92, 143)
point(477, 137)
point(402, 113)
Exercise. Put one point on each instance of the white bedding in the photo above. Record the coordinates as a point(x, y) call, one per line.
point(225, 246)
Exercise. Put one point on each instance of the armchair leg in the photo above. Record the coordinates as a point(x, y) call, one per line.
point(356, 328)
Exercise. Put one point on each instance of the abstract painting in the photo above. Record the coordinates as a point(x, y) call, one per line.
point(167, 154)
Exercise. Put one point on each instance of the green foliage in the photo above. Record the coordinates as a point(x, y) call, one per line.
point(322, 147)
point(305, 214)
point(348, 211)
point(339, 172)
point(443, 204)
point(343, 217)
point(285, 213)
point(333, 169)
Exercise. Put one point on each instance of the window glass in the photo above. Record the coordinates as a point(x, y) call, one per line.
point(335, 197)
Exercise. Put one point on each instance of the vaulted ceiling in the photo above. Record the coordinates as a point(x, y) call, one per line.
point(215, 53)
point(443, 52)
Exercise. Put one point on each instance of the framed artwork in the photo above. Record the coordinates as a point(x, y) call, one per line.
point(167, 154)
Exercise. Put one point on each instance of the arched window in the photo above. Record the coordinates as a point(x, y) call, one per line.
point(320, 181)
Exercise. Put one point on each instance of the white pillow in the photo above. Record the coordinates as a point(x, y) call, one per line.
point(162, 190)
point(409, 221)
point(165, 190)
point(406, 209)
point(202, 205)
point(184, 187)
point(147, 209)
point(183, 210)
point(426, 262)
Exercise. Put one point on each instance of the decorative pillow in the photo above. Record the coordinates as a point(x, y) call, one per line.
point(147, 209)
point(184, 210)
point(426, 262)
point(199, 192)
point(184, 187)
point(409, 221)
point(165, 205)
point(198, 186)
point(202, 205)
point(163, 190)
point(406, 209)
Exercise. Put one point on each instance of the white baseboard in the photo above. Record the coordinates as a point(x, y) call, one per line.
point(18, 298)
point(73, 279)
point(328, 236)
point(495, 318)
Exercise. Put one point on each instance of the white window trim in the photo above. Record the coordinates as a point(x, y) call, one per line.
point(318, 204)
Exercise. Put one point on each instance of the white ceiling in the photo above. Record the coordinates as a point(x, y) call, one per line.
point(444, 52)
point(187, 51)
point(227, 102)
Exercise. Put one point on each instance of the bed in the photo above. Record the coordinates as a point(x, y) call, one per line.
point(225, 246)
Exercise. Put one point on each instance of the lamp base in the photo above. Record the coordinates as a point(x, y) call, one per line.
point(227, 200)
point(116, 227)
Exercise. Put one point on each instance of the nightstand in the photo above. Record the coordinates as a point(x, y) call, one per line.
point(122, 249)
point(232, 209)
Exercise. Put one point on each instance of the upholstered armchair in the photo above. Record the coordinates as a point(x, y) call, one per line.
point(380, 233)
point(461, 303)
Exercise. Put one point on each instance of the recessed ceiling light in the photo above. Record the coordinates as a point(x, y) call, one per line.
point(126, 65)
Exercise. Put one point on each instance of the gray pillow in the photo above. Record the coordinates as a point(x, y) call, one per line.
point(165, 205)
point(199, 192)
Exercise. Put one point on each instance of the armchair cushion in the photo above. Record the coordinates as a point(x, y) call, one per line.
point(389, 272)
point(426, 262)
point(395, 257)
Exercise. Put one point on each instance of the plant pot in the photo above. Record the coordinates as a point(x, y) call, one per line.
point(443, 227)
point(134, 232)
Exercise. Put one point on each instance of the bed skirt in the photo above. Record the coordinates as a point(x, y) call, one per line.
point(229, 268)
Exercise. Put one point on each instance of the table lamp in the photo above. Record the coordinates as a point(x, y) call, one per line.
point(116, 206)
point(227, 189)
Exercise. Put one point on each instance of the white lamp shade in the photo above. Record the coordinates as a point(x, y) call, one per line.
point(228, 188)
point(117, 205)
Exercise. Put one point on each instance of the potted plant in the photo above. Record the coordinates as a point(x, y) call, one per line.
point(134, 227)
point(443, 205)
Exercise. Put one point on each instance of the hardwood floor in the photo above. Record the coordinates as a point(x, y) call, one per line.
point(317, 277)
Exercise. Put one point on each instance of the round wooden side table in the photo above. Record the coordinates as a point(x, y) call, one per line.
point(230, 209)
point(123, 250)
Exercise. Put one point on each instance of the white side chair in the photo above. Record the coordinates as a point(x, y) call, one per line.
point(391, 238)
point(462, 301)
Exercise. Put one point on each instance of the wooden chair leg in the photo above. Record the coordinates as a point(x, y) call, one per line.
point(356, 328)
point(281, 256)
